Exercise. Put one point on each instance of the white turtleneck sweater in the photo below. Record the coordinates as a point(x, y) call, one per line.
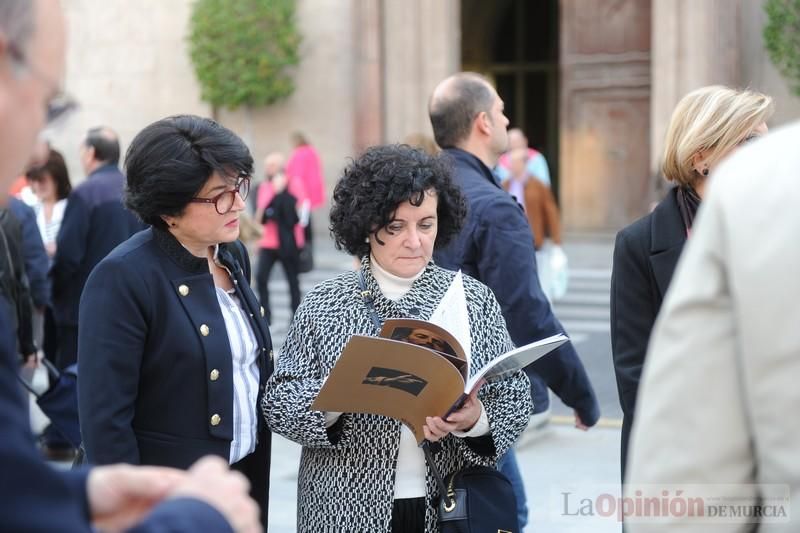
point(409, 479)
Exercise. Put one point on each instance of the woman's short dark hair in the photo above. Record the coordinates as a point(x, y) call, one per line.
point(377, 182)
point(56, 168)
point(169, 161)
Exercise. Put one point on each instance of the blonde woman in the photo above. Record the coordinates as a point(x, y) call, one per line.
point(707, 125)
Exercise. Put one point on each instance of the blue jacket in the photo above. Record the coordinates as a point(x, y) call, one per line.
point(496, 247)
point(95, 221)
point(36, 261)
point(155, 379)
point(35, 497)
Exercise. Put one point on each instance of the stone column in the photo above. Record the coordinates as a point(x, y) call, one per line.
point(369, 62)
point(695, 43)
point(422, 43)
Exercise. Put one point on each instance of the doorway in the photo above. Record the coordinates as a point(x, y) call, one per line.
point(516, 44)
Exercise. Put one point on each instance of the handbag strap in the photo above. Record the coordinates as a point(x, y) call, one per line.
point(366, 296)
point(437, 476)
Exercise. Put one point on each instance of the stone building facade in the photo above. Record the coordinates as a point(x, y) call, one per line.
point(593, 82)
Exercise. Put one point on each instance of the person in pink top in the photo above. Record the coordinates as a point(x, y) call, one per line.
point(281, 204)
point(304, 165)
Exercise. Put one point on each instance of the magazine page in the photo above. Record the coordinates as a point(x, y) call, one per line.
point(516, 359)
point(451, 314)
point(428, 335)
point(390, 378)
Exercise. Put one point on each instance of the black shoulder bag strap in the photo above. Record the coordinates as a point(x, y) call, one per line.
point(366, 296)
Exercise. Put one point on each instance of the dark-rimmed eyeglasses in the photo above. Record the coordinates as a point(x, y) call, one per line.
point(223, 202)
point(58, 105)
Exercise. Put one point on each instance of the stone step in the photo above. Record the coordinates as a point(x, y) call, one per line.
point(569, 312)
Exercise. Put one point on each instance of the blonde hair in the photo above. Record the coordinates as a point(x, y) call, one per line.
point(714, 119)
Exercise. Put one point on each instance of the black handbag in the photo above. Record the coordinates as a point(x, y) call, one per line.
point(60, 401)
point(306, 259)
point(475, 499)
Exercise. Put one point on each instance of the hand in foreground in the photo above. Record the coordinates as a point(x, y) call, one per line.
point(211, 481)
point(462, 420)
point(121, 495)
point(579, 423)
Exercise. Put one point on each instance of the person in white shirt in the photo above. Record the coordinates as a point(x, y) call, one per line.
point(51, 184)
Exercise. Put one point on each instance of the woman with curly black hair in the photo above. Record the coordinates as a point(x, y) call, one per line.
point(362, 472)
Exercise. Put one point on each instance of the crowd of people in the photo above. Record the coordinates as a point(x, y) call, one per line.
point(139, 276)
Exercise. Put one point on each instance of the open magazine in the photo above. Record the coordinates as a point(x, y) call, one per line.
point(418, 368)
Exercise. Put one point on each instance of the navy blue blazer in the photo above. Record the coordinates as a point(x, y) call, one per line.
point(645, 256)
point(496, 247)
point(155, 379)
point(95, 221)
point(36, 497)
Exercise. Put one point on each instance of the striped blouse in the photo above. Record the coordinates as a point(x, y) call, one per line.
point(49, 229)
point(245, 375)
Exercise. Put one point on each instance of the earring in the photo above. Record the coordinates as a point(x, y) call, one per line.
point(705, 172)
point(366, 240)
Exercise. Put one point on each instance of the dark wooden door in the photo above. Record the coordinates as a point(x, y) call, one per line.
point(605, 112)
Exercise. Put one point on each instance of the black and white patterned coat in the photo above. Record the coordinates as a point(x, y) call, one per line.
point(346, 478)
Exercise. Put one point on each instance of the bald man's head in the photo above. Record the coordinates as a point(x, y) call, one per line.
point(102, 148)
point(454, 105)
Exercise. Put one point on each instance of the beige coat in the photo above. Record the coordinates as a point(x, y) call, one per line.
point(719, 397)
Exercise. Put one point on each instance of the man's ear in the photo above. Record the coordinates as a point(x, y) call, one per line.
point(483, 124)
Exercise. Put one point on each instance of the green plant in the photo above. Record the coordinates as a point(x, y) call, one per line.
point(782, 38)
point(243, 50)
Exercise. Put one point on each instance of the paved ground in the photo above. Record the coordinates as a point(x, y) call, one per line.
point(553, 460)
point(584, 312)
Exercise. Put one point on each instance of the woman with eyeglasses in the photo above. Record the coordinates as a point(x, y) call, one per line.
point(707, 125)
point(174, 351)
